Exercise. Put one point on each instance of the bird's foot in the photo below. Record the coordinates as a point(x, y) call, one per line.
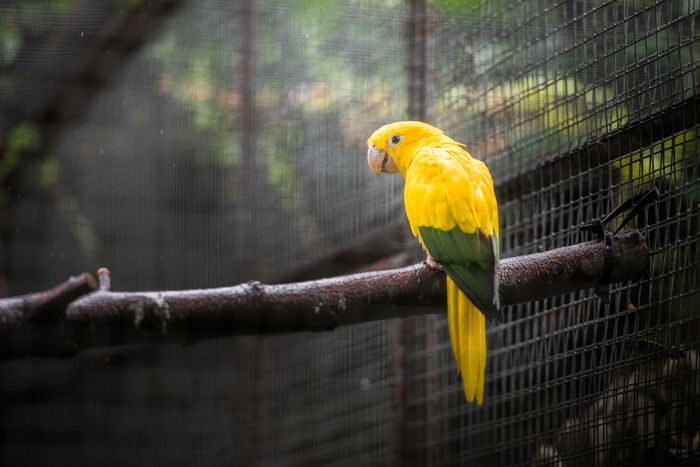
point(431, 263)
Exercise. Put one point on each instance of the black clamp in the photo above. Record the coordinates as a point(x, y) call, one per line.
point(597, 226)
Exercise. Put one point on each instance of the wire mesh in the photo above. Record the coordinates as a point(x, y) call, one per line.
point(229, 111)
point(555, 97)
point(230, 147)
point(227, 148)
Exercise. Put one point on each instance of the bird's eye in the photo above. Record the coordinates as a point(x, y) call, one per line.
point(394, 140)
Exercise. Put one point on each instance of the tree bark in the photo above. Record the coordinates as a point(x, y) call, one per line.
point(106, 317)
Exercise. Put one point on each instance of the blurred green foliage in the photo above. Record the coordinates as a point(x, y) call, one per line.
point(20, 139)
point(22, 19)
point(539, 110)
point(663, 161)
point(573, 74)
point(48, 172)
point(10, 41)
point(306, 69)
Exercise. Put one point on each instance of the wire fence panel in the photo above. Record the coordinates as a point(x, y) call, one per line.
point(229, 148)
point(229, 145)
point(577, 106)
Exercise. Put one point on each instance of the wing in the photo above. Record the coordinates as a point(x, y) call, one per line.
point(452, 208)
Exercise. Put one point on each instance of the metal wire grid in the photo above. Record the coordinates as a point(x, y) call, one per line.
point(151, 182)
point(566, 384)
point(541, 78)
point(329, 403)
point(171, 172)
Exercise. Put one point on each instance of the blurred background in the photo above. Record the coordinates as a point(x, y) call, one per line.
point(190, 144)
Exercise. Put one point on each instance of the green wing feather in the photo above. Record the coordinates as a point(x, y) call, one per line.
point(470, 259)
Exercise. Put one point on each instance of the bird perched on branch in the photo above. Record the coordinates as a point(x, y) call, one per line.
point(452, 209)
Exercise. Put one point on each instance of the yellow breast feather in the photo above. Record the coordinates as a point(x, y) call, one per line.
point(446, 187)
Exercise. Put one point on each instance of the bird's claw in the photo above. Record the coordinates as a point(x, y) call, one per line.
point(432, 264)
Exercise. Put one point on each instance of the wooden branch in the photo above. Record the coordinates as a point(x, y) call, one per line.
point(34, 324)
point(106, 317)
point(48, 305)
point(562, 270)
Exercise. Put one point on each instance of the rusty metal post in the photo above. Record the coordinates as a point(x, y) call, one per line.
point(252, 397)
point(415, 339)
point(247, 175)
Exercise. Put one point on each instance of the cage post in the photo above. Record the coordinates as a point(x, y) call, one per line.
point(257, 365)
point(415, 339)
point(248, 137)
point(420, 37)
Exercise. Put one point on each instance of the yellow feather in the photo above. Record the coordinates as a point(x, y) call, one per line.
point(445, 187)
point(481, 351)
point(440, 176)
point(468, 334)
point(453, 319)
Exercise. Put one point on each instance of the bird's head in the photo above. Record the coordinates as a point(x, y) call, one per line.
point(391, 147)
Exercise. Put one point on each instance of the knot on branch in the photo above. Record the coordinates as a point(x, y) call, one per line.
point(256, 291)
point(105, 279)
point(153, 312)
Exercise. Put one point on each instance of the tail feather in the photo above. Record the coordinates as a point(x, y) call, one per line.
point(468, 336)
point(453, 319)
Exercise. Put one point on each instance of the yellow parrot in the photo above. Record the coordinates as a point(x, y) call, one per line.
point(451, 207)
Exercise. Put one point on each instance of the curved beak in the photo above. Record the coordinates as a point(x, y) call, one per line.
point(380, 162)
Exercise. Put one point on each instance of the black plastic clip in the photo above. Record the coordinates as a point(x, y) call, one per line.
point(597, 226)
